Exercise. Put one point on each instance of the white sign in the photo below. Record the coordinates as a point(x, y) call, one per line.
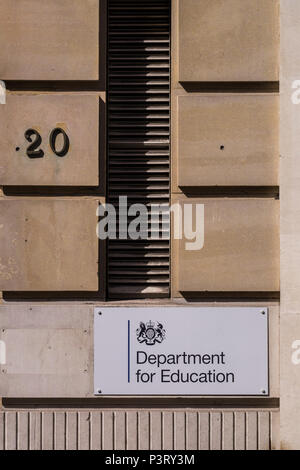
point(181, 351)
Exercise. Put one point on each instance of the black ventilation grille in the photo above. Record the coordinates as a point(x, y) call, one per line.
point(139, 139)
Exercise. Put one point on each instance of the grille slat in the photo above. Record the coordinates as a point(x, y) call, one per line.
point(139, 141)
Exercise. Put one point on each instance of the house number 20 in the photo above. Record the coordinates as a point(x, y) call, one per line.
point(33, 151)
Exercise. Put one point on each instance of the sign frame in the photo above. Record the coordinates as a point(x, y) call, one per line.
point(110, 338)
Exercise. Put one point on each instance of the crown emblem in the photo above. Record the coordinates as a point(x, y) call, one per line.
point(150, 333)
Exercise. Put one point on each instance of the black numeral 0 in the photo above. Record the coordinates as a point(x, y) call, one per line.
point(53, 136)
point(32, 151)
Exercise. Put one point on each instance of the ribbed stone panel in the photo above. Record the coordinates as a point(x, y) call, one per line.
point(84, 429)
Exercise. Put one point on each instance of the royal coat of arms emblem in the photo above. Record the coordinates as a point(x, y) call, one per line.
point(150, 333)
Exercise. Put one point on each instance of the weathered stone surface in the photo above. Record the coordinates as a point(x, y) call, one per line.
point(241, 247)
point(75, 114)
point(56, 40)
point(228, 140)
point(48, 244)
point(228, 40)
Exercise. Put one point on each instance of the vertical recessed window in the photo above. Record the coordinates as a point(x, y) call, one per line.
point(139, 140)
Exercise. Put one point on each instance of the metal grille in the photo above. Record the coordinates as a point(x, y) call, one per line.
point(139, 139)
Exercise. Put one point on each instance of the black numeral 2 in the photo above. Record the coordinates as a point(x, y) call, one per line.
point(32, 151)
